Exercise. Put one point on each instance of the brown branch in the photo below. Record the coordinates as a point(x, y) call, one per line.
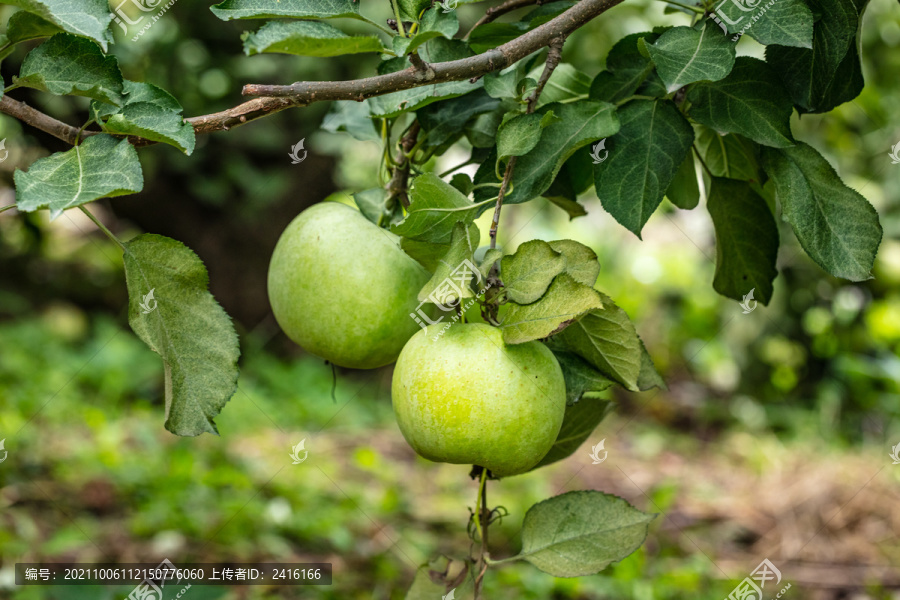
point(39, 120)
point(553, 57)
point(501, 9)
point(307, 92)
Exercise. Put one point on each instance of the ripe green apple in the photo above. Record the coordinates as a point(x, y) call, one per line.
point(342, 288)
point(466, 397)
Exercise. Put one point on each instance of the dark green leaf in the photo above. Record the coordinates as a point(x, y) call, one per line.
point(410, 9)
point(23, 26)
point(581, 533)
point(85, 18)
point(351, 117)
point(729, 155)
point(784, 22)
point(684, 191)
point(151, 122)
point(565, 301)
point(579, 124)
point(273, 9)
point(445, 120)
point(746, 240)
point(646, 152)
point(429, 254)
point(565, 83)
point(307, 38)
point(684, 55)
point(627, 70)
point(581, 378)
point(490, 35)
point(172, 312)
point(372, 203)
point(68, 64)
point(750, 101)
point(579, 422)
point(100, 167)
point(435, 23)
point(528, 273)
point(519, 135)
point(836, 226)
point(462, 249)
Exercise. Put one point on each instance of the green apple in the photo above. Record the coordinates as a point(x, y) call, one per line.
point(464, 396)
point(342, 288)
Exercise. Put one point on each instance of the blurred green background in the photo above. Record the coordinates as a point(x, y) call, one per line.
point(772, 440)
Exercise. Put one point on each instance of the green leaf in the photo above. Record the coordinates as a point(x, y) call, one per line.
point(836, 226)
point(24, 26)
point(784, 22)
point(490, 35)
point(751, 101)
point(85, 18)
point(351, 117)
point(460, 254)
point(273, 9)
point(100, 167)
point(184, 325)
point(579, 124)
point(581, 261)
point(438, 50)
point(684, 55)
point(627, 72)
point(581, 378)
point(528, 273)
point(729, 155)
point(435, 23)
point(607, 340)
point(410, 9)
point(644, 156)
point(565, 301)
point(67, 64)
point(575, 177)
point(148, 121)
point(138, 91)
point(307, 38)
point(491, 256)
point(810, 73)
point(581, 533)
point(429, 254)
point(684, 191)
point(372, 203)
point(503, 84)
point(434, 208)
point(746, 240)
point(579, 422)
point(648, 377)
point(445, 120)
point(519, 135)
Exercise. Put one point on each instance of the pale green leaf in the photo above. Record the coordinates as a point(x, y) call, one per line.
point(372, 203)
point(351, 117)
point(565, 83)
point(519, 135)
point(750, 101)
point(429, 254)
point(528, 273)
point(836, 225)
point(435, 23)
point(565, 301)
point(68, 64)
point(643, 158)
point(581, 533)
point(85, 18)
point(581, 261)
point(454, 267)
point(491, 256)
point(746, 240)
point(172, 312)
point(649, 377)
point(684, 55)
point(100, 167)
point(307, 38)
point(605, 338)
point(434, 208)
point(273, 9)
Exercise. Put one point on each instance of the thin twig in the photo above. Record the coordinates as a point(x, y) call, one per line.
point(482, 520)
point(398, 186)
point(103, 228)
point(553, 58)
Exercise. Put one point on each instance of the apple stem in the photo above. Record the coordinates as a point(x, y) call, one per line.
point(482, 521)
